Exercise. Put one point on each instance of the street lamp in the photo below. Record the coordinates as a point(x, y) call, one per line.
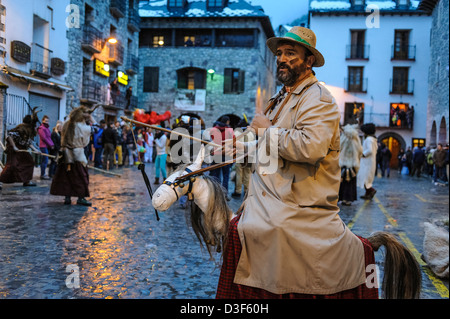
point(112, 40)
point(211, 72)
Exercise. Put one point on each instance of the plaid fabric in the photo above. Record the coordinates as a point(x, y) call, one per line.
point(228, 290)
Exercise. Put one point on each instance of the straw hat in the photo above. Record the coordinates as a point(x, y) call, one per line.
point(302, 36)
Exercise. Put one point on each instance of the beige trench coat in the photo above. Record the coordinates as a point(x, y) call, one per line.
point(292, 237)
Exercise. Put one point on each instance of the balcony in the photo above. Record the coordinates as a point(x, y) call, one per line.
point(40, 64)
point(356, 87)
point(403, 52)
point(357, 52)
point(91, 92)
point(132, 64)
point(118, 8)
point(115, 53)
point(133, 20)
point(92, 41)
point(385, 120)
point(401, 87)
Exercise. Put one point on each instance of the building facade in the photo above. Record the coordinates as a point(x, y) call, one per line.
point(377, 58)
point(34, 53)
point(204, 56)
point(438, 85)
point(103, 40)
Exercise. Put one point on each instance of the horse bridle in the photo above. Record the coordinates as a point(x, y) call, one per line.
point(179, 182)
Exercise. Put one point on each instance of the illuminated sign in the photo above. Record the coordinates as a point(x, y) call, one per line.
point(101, 68)
point(122, 78)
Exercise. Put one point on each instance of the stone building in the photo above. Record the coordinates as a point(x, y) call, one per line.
point(204, 56)
point(377, 59)
point(438, 85)
point(103, 46)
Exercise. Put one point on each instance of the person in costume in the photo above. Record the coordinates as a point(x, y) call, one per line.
point(368, 165)
point(288, 240)
point(19, 165)
point(351, 151)
point(71, 177)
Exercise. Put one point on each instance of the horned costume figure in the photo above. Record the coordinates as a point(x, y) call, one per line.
point(20, 164)
point(71, 176)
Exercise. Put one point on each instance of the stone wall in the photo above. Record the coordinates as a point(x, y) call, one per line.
point(257, 62)
point(102, 20)
point(438, 77)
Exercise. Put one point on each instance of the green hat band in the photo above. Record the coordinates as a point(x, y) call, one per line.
point(297, 38)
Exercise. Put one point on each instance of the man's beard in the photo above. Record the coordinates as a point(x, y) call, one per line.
point(292, 75)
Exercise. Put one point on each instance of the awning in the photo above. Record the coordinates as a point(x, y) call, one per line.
point(34, 79)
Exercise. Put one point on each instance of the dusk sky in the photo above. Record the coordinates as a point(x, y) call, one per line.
point(282, 11)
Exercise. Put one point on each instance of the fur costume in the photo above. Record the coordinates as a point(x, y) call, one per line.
point(71, 176)
point(19, 166)
point(351, 151)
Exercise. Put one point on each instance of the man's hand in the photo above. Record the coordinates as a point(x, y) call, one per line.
point(260, 123)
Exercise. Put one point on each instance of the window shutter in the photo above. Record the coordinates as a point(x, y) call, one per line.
point(151, 79)
point(227, 81)
point(241, 81)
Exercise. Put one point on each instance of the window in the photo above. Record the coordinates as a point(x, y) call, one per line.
point(357, 49)
point(158, 41)
point(151, 79)
point(420, 142)
point(234, 81)
point(401, 49)
point(355, 79)
point(216, 3)
point(244, 38)
point(193, 38)
point(155, 38)
point(400, 83)
point(176, 3)
point(191, 78)
point(354, 113)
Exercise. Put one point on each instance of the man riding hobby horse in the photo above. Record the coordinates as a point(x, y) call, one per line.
point(288, 240)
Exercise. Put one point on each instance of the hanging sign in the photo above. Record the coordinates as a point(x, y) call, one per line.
point(101, 68)
point(122, 78)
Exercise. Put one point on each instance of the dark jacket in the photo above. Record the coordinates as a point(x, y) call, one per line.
point(109, 136)
point(439, 158)
point(418, 156)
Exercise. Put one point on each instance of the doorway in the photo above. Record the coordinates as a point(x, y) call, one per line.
point(394, 142)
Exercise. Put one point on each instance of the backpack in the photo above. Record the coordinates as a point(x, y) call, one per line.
point(430, 159)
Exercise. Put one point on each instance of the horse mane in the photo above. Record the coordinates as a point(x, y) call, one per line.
point(210, 227)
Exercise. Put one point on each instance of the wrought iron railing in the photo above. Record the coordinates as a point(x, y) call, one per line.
point(40, 61)
point(92, 39)
point(401, 87)
point(357, 52)
point(403, 52)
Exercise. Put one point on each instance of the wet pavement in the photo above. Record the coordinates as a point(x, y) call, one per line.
point(117, 248)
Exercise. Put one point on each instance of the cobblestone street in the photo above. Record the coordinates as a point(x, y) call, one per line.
point(121, 251)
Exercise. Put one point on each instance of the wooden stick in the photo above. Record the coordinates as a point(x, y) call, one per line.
point(169, 131)
point(3, 146)
point(43, 154)
point(103, 171)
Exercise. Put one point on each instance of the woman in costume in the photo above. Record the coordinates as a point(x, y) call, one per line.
point(71, 176)
point(366, 174)
point(19, 165)
point(351, 151)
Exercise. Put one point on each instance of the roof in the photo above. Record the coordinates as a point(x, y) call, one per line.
point(427, 5)
point(346, 6)
point(198, 9)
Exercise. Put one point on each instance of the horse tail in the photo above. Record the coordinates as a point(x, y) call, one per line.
point(402, 275)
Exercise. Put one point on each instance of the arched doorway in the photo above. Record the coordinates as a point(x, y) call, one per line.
point(394, 142)
point(443, 131)
point(433, 134)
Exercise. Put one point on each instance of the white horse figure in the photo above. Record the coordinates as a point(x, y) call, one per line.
point(210, 213)
point(210, 216)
